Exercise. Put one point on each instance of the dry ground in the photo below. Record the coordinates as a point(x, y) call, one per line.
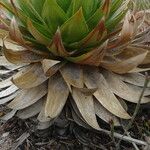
point(23, 135)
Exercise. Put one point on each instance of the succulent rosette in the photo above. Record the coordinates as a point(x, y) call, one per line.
point(84, 52)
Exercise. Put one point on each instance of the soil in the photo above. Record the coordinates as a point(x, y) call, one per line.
point(23, 135)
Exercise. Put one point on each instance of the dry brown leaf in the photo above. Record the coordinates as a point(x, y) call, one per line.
point(8, 98)
point(127, 32)
point(9, 115)
point(137, 79)
point(105, 115)
point(5, 83)
point(42, 117)
point(57, 96)
point(78, 120)
point(76, 110)
point(14, 32)
point(129, 59)
point(8, 91)
point(73, 75)
point(5, 72)
point(25, 98)
point(50, 67)
point(88, 91)
point(31, 110)
point(94, 79)
point(4, 62)
point(124, 90)
point(86, 107)
point(137, 70)
point(30, 77)
point(20, 56)
point(147, 59)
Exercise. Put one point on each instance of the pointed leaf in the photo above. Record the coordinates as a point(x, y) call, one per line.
point(93, 58)
point(51, 67)
point(137, 79)
point(88, 6)
point(106, 7)
point(5, 100)
point(57, 96)
point(86, 107)
point(5, 83)
point(104, 114)
point(94, 79)
point(95, 18)
point(124, 90)
point(15, 33)
point(77, 115)
point(30, 111)
point(42, 116)
point(95, 36)
point(53, 15)
point(64, 4)
point(33, 29)
point(73, 75)
point(38, 5)
point(25, 98)
point(9, 115)
point(29, 11)
point(20, 57)
point(129, 59)
point(138, 69)
point(127, 29)
point(117, 16)
point(57, 47)
point(29, 77)
point(70, 28)
point(8, 91)
point(127, 32)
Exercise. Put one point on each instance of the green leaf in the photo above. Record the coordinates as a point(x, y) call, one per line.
point(53, 15)
point(75, 28)
point(115, 6)
point(73, 75)
point(85, 105)
point(64, 4)
point(95, 18)
point(76, 5)
point(37, 31)
point(7, 6)
point(29, 11)
point(38, 5)
point(56, 46)
point(88, 6)
point(95, 36)
point(106, 7)
point(117, 16)
point(10, 10)
point(93, 57)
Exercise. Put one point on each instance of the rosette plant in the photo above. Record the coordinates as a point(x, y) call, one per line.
point(83, 52)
